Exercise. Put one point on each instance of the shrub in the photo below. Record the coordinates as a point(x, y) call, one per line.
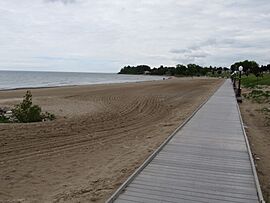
point(258, 96)
point(3, 119)
point(26, 112)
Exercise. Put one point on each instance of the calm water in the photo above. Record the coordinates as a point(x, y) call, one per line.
point(21, 79)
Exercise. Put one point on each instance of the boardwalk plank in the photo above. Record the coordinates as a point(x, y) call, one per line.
point(180, 189)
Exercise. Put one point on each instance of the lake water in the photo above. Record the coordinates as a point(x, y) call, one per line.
point(27, 79)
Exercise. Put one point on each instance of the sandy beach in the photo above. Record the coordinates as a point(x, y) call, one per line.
point(257, 128)
point(101, 135)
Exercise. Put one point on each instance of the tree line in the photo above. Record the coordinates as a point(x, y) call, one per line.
point(250, 67)
point(196, 70)
point(178, 70)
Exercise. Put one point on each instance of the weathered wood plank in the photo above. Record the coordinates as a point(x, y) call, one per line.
point(191, 189)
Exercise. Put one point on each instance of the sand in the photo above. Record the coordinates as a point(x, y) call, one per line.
point(258, 128)
point(101, 135)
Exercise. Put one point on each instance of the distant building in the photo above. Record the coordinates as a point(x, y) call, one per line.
point(146, 72)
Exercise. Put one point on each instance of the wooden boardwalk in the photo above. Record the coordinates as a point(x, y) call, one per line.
point(207, 160)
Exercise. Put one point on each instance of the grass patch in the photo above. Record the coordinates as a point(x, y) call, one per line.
point(259, 96)
point(252, 81)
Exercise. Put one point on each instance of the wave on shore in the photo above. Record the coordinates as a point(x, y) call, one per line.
point(31, 79)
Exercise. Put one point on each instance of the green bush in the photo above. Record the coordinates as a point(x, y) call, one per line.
point(26, 112)
point(3, 119)
point(258, 96)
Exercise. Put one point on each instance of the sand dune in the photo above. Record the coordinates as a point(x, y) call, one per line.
point(101, 134)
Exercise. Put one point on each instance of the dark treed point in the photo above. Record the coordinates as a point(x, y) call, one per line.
point(249, 67)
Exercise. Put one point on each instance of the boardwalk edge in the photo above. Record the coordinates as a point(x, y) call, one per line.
point(254, 171)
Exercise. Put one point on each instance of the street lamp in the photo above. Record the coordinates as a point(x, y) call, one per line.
point(234, 80)
point(239, 84)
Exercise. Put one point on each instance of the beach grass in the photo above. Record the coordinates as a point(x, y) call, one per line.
point(252, 81)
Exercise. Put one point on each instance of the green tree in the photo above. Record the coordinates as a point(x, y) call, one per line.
point(254, 68)
point(180, 70)
point(248, 67)
point(140, 69)
point(193, 70)
point(26, 112)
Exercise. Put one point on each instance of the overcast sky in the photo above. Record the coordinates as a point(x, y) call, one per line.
point(104, 35)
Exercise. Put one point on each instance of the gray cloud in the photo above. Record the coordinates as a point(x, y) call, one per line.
point(198, 55)
point(103, 35)
point(61, 1)
point(190, 56)
point(195, 47)
point(179, 51)
point(194, 52)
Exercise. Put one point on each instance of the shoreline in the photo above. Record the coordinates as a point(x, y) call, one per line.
point(74, 80)
point(77, 85)
point(100, 84)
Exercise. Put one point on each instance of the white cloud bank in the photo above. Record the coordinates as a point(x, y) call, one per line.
point(103, 35)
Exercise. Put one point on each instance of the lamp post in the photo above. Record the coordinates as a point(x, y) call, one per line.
point(239, 85)
point(234, 80)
